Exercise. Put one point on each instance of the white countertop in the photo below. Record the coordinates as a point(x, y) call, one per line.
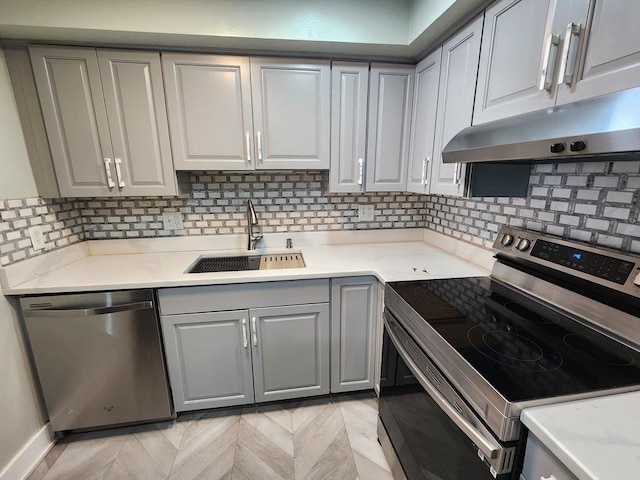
point(597, 439)
point(79, 268)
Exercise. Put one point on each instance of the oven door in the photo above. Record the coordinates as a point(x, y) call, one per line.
point(434, 434)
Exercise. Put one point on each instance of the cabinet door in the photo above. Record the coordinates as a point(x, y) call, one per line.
point(290, 351)
point(423, 125)
point(70, 91)
point(353, 328)
point(390, 97)
point(134, 98)
point(515, 42)
point(209, 359)
point(291, 113)
point(349, 90)
point(458, 74)
point(209, 105)
point(607, 57)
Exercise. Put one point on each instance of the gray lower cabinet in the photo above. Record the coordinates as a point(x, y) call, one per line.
point(259, 353)
point(353, 333)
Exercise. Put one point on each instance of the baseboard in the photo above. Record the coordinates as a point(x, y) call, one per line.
point(30, 455)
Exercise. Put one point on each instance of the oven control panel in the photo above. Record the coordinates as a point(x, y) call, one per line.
point(614, 269)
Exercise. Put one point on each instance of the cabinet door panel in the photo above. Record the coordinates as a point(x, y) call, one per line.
point(390, 97)
point(209, 365)
point(514, 40)
point(610, 54)
point(70, 91)
point(291, 105)
point(458, 74)
point(291, 358)
point(425, 102)
point(349, 85)
point(134, 98)
point(209, 105)
point(353, 322)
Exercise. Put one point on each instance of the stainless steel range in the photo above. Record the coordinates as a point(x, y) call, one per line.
point(556, 321)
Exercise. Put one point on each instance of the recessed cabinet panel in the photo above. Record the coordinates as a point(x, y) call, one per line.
point(209, 104)
point(290, 353)
point(609, 58)
point(134, 97)
point(425, 103)
point(291, 105)
point(390, 98)
point(349, 91)
point(70, 91)
point(458, 75)
point(514, 39)
point(209, 359)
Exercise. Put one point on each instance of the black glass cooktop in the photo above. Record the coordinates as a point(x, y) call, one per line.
point(523, 348)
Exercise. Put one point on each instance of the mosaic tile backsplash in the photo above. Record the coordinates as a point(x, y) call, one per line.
point(597, 202)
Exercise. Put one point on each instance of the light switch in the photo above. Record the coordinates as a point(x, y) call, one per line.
point(37, 237)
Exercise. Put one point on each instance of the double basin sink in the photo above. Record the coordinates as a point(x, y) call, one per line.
point(247, 262)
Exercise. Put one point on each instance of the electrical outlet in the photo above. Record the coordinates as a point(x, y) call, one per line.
point(365, 213)
point(172, 221)
point(37, 237)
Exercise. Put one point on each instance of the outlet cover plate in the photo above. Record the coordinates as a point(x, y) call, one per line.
point(37, 237)
point(172, 221)
point(365, 213)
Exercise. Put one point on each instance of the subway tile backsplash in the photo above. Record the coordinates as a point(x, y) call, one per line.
point(594, 202)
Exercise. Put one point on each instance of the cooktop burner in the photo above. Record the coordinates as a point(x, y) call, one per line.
point(523, 348)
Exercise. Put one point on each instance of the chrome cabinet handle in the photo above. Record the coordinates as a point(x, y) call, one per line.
point(247, 139)
point(489, 447)
point(259, 142)
point(87, 312)
point(425, 168)
point(107, 169)
point(360, 164)
point(244, 333)
point(549, 63)
point(568, 73)
point(456, 174)
point(119, 173)
point(254, 332)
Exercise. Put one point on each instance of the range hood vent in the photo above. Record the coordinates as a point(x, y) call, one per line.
point(609, 124)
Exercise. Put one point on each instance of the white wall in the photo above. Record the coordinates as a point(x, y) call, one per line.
point(20, 413)
point(423, 13)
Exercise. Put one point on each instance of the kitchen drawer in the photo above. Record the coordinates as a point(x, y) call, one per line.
point(541, 463)
point(215, 298)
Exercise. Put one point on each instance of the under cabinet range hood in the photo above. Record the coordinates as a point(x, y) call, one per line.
point(588, 129)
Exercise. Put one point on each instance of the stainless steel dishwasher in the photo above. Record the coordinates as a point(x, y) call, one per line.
point(98, 357)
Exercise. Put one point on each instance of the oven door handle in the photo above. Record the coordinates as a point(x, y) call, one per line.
point(489, 448)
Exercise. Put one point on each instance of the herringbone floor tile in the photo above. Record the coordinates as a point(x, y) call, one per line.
point(315, 439)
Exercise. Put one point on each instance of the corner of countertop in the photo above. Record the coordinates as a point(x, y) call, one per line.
point(476, 254)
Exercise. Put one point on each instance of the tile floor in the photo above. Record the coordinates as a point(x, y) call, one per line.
point(327, 438)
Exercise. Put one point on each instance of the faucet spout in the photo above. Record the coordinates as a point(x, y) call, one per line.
point(254, 234)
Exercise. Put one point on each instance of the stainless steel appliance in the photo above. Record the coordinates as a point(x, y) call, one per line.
point(555, 321)
point(98, 357)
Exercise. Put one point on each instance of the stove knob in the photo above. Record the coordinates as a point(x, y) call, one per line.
point(523, 244)
point(506, 240)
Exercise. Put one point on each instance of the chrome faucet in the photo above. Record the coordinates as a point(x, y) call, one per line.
point(252, 223)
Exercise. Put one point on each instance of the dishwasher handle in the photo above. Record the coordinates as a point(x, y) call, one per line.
point(87, 312)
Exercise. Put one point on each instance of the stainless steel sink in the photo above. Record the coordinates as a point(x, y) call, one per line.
point(247, 262)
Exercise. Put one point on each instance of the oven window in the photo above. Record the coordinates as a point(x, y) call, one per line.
point(428, 444)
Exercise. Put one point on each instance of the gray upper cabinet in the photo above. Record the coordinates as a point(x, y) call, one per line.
point(291, 113)
point(349, 93)
point(606, 57)
point(105, 118)
point(390, 99)
point(209, 359)
point(541, 53)
point(210, 116)
point(353, 333)
point(290, 351)
point(423, 125)
point(458, 73)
